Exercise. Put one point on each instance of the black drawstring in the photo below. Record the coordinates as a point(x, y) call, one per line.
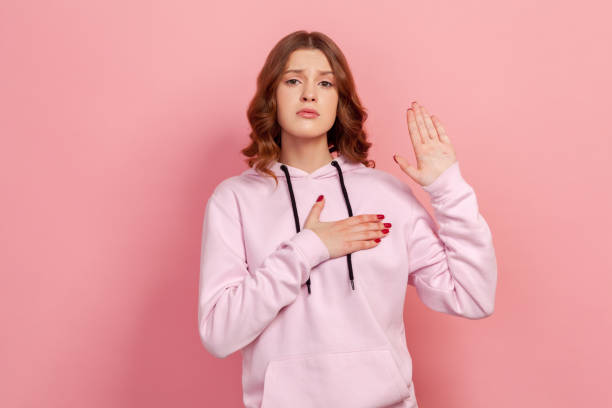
point(350, 212)
point(297, 220)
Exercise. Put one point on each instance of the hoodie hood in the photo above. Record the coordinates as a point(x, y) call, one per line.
point(325, 171)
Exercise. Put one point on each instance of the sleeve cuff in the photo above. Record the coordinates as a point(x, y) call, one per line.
point(311, 247)
point(448, 181)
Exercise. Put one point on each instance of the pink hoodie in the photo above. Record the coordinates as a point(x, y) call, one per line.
point(327, 344)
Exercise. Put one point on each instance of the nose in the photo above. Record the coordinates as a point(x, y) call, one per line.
point(309, 93)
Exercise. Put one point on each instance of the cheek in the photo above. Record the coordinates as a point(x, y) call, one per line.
point(283, 108)
point(283, 99)
point(331, 105)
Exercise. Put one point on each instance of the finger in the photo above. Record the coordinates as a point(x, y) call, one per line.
point(431, 129)
point(421, 123)
point(354, 246)
point(361, 218)
point(440, 129)
point(412, 171)
point(415, 135)
point(366, 235)
point(371, 226)
point(315, 210)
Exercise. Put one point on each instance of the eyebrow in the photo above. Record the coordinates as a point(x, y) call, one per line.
point(301, 70)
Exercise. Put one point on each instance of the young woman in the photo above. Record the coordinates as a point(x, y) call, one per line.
point(306, 255)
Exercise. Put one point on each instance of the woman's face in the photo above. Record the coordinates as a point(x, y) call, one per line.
point(307, 82)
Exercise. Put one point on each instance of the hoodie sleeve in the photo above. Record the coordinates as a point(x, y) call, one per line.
point(454, 269)
point(235, 302)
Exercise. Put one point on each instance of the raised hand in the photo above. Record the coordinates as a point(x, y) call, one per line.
point(433, 150)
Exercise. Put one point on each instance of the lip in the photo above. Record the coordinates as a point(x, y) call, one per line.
point(308, 113)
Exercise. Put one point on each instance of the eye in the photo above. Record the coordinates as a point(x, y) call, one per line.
point(293, 83)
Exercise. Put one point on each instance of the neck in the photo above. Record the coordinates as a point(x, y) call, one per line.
point(306, 154)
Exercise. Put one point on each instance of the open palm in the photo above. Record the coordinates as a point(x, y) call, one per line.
point(433, 150)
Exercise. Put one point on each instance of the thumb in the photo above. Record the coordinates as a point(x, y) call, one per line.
point(412, 171)
point(315, 211)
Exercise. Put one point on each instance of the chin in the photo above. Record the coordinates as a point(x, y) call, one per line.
point(310, 132)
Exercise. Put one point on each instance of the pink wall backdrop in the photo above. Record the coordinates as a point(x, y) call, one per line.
point(119, 118)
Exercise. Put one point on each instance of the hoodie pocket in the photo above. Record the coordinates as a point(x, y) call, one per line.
point(357, 379)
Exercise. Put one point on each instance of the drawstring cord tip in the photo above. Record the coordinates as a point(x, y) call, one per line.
point(353, 284)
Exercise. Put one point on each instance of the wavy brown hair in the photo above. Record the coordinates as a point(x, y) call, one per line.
point(347, 135)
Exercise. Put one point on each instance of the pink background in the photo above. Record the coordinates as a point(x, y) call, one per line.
point(119, 118)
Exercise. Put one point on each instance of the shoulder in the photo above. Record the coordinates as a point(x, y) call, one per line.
point(239, 187)
point(224, 192)
point(227, 185)
point(386, 183)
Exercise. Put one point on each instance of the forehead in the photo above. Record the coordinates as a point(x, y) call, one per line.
point(312, 60)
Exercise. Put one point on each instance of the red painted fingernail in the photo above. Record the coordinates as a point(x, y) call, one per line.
point(385, 231)
point(387, 224)
point(380, 216)
point(377, 240)
point(320, 197)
